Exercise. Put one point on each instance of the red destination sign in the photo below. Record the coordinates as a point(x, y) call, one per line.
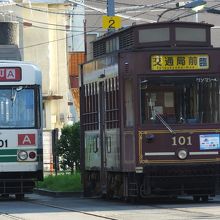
point(26, 139)
point(8, 74)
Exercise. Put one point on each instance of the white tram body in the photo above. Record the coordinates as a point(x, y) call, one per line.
point(21, 147)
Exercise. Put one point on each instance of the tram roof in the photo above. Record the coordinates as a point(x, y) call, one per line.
point(109, 34)
point(154, 35)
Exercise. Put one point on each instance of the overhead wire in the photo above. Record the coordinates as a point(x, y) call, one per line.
point(67, 29)
point(117, 3)
point(64, 38)
point(52, 24)
point(86, 31)
point(192, 13)
point(53, 12)
point(98, 12)
point(95, 29)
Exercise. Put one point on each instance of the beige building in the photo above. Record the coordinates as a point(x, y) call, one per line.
point(44, 43)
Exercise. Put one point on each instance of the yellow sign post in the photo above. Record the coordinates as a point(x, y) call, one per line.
point(180, 62)
point(111, 22)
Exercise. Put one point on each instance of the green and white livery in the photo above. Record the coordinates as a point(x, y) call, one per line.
point(21, 151)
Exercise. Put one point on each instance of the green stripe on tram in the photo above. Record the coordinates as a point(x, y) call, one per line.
point(10, 155)
point(8, 159)
point(8, 152)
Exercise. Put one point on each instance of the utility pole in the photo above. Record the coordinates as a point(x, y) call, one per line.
point(110, 7)
point(111, 13)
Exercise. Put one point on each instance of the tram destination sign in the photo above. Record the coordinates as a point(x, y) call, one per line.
point(8, 74)
point(179, 62)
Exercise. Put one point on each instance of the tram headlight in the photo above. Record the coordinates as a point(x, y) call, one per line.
point(182, 154)
point(22, 155)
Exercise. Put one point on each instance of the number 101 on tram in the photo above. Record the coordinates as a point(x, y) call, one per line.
point(21, 153)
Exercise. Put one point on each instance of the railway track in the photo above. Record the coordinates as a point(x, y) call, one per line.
point(73, 210)
point(179, 209)
point(5, 216)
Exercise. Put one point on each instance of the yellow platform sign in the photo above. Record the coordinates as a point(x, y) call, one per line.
point(179, 62)
point(109, 22)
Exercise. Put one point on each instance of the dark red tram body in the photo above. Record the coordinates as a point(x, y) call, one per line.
point(150, 116)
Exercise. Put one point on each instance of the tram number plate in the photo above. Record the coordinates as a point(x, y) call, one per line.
point(3, 143)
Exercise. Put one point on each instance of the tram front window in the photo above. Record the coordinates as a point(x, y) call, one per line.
point(17, 108)
point(190, 100)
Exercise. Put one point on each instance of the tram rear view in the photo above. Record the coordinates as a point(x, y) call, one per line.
point(21, 153)
point(155, 100)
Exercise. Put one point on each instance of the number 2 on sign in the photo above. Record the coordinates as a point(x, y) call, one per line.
point(111, 23)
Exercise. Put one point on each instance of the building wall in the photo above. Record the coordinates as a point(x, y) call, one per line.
point(46, 47)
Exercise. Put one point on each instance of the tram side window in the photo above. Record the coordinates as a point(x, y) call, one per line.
point(90, 114)
point(111, 103)
point(180, 100)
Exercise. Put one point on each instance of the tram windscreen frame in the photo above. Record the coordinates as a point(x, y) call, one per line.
point(18, 107)
point(180, 100)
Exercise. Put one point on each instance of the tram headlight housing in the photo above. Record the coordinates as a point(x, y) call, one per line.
point(182, 154)
point(22, 155)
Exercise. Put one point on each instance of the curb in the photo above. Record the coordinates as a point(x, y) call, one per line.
point(57, 194)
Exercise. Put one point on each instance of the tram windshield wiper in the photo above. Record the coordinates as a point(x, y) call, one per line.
point(164, 123)
point(154, 112)
point(14, 92)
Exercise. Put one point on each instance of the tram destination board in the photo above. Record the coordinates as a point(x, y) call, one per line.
point(179, 62)
point(8, 74)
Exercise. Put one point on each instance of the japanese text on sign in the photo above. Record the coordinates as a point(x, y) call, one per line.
point(180, 62)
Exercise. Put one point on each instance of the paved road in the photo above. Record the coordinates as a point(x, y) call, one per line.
point(50, 208)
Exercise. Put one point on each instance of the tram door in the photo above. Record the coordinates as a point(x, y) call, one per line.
point(102, 108)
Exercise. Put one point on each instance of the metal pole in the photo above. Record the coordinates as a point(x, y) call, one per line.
point(85, 39)
point(110, 7)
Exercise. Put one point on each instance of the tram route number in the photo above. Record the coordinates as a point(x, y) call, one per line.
point(3, 143)
point(109, 22)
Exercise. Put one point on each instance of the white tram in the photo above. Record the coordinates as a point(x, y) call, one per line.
point(21, 151)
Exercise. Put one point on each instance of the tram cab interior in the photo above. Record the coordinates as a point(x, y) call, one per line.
point(179, 100)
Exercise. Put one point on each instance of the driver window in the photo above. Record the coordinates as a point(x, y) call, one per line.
point(159, 103)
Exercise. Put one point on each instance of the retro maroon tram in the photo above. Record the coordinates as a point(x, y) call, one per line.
point(150, 116)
